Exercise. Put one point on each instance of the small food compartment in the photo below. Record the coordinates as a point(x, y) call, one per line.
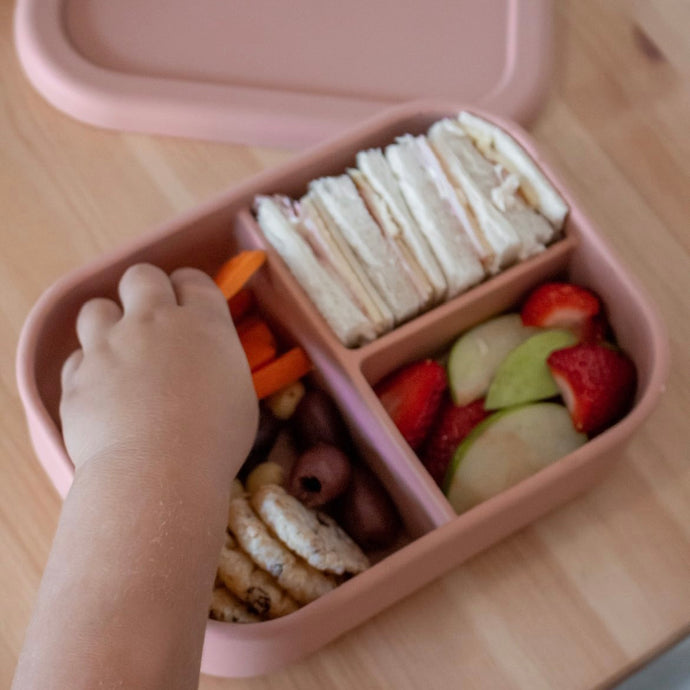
point(511, 382)
point(307, 510)
point(432, 536)
point(411, 223)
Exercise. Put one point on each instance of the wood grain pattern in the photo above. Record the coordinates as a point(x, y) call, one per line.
point(571, 602)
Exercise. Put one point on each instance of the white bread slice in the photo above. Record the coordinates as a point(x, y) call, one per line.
point(327, 242)
point(329, 296)
point(341, 206)
point(499, 147)
point(379, 189)
point(405, 259)
point(511, 228)
point(434, 204)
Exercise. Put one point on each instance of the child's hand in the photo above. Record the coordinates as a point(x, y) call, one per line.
point(164, 373)
point(158, 411)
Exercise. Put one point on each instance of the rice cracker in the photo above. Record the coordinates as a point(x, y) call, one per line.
point(226, 607)
point(314, 536)
point(251, 584)
point(295, 575)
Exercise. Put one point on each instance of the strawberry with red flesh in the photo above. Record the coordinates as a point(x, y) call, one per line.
point(595, 330)
point(597, 383)
point(565, 305)
point(453, 424)
point(412, 396)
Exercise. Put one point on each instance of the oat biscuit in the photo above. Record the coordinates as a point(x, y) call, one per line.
point(251, 584)
point(226, 607)
point(314, 536)
point(297, 577)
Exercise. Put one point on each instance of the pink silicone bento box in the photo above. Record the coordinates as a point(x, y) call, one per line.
point(436, 539)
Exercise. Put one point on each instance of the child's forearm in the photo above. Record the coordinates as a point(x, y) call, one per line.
point(129, 578)
point(158, 410)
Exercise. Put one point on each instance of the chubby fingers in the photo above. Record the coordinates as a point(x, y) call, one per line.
point(144, 288)
point(69, 368)
point(95, 319)
point(195, 289)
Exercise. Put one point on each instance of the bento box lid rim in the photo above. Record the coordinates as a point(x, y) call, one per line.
point(248, 114)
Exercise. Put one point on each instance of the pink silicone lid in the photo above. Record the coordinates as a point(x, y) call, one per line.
point(276, 73)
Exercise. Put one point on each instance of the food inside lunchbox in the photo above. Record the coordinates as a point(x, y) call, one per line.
point(304, 508)
point(513, 394)
point(413, 225)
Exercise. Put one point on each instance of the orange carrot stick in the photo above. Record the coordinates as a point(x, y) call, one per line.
point(235, 272)
point(241, 303)
point(257, 340)
point(255, 323)
point(281, 372)
point(258, 354)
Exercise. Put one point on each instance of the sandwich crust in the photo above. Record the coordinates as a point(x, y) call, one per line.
point(499, 147)
point(340, 204)
point(377, 184)
point(511, 229)
point(429, 196)
point(331, 299)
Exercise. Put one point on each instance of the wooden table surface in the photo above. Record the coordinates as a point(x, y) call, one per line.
point(573, 601)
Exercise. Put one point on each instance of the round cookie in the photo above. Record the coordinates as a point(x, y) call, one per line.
point(226, 607)
point(254, 586)
point(314, 536)
point(297, 577)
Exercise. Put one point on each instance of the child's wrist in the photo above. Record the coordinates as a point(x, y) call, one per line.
point(154, 472)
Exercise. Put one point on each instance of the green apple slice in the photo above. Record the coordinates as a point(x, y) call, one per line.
point(507, 447)
point(477, 353)
point(523, 376)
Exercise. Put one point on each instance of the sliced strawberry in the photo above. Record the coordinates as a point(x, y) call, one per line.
point(453, 423)
point(597, 383)
point(595, 330)
point(563, 305)
point(412, 396)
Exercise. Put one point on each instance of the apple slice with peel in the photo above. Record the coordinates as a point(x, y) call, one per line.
point(506, 448)
point(523, 376)
point(477, 353)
